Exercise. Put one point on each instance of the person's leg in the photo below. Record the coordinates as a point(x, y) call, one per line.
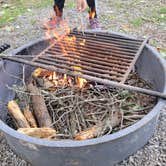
point(92, 9)
point(94, 23)
point(58, 7)
point(54, 21)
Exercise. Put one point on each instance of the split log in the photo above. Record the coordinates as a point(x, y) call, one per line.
point(29, 117)
point(100, 128)
point(39, 107)
point(17, 114)
point(38, 132)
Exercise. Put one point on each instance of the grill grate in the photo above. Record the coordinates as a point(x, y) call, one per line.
point(101, 55)
point(106, 56)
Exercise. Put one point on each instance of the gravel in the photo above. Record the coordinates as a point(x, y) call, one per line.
point(28, 27)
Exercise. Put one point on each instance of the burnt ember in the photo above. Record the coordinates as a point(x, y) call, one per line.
point(64, 108)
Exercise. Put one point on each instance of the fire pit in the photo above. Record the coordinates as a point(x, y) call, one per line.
point(105, 150)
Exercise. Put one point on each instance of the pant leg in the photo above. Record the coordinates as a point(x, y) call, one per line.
point(92, 8)
point(58, 7)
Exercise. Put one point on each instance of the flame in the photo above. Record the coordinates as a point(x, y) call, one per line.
point(81, 82)
point(68, 45)
point(82, 43)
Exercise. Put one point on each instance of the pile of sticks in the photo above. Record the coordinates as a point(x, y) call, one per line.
point(58, 112)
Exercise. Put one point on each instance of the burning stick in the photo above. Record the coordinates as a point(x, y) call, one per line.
point(15, 111)
point(39, 106)
point(39, 72)
point(38, 132)
point(29, 117)
point(100, 128)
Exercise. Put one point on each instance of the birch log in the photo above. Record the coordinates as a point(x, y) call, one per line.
point(38, 132)
point(17, 114)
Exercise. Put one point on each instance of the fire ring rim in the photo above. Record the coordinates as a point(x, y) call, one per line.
point(107, 138)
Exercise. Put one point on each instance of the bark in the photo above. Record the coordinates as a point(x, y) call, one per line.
point(100, 128)
point(38, 132)
point(29, 117)
point(17, 114)
point(39, 107)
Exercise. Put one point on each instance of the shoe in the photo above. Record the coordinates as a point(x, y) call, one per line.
point(52, 23)
point(94, 23)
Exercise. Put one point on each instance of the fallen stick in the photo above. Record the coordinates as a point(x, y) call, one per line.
point(29, 117)
point(38, 132)
point(18, 116)
point(39, 107)
point(100, 128)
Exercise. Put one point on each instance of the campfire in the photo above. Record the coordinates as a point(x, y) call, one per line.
point(57, 106)
point(63, 105)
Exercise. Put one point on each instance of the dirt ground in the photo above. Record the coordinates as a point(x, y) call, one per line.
point(136, 17)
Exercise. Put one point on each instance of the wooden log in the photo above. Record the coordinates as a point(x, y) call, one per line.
point(38, 132)
point(39, 107)
point(39, 72)
point(29, 117)
point(100, 128)
point(18, 116)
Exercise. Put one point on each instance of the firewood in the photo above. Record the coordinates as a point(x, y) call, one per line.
point(44, 83)
point(100, 128)
point(17, 114)
point(38, 132)
point(39, 107)
point(39, 72)
point(29, 117)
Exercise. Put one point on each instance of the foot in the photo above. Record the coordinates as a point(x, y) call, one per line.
point(94, 23)
point(52, 23)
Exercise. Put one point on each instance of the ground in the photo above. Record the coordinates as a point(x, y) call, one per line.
point(21, 22)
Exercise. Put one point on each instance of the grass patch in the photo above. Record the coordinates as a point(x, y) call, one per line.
point(162, 10)
point(155, 15)
point(163, 52)
point(13, 8)
point(137, 22)
point(71, 4)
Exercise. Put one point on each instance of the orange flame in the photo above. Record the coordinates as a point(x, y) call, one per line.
point(67, 44)
point(81, 82)
point(82, 43)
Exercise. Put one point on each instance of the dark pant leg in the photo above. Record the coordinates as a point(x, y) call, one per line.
point(58, 7)
point(92, 8)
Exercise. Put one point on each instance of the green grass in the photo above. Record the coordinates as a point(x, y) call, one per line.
point(70, 4)
point(137, 22)
point(163, 52)
point(162, 10)
point(9, 11)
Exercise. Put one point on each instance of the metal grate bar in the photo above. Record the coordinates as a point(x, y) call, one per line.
point(87, 77)
point(107, 44)
point(95, 52)
point(95, 60)
point(98, 55)
point(106, 37)
point(83, 61)
point(73, 69)
point(81, 65)
point(91, 57)
point(98, 48)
